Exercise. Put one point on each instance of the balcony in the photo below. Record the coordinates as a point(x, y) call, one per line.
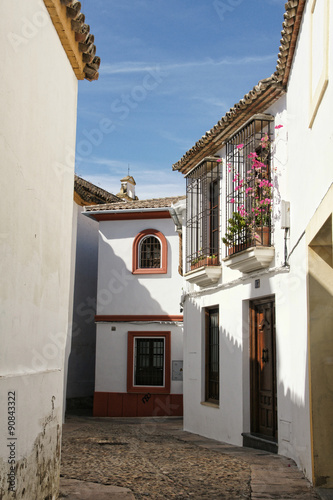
point(250, 194)
point(252, 253)
point(204, 271)
point(252, 259)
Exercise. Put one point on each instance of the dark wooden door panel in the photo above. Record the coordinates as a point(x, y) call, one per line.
point(263, 379)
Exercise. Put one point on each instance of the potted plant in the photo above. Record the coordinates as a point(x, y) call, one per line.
point(250, 224)
point(237, 225)
point(204, 260)
point(212, 260)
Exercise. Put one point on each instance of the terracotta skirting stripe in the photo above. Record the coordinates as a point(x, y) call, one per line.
point(117, 404)
point(163, 214)
point(110, 318)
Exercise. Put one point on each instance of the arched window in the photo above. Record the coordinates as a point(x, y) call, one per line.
point(149, 253)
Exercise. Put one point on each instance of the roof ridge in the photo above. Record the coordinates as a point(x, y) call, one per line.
point(75, 37)
point(82, 186)
point(164, 202)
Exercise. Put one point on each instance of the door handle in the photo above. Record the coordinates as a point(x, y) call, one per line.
point(264, 357)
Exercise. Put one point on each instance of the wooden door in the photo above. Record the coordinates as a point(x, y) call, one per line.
point(263, 369)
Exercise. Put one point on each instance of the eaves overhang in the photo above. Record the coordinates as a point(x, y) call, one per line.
point(128, 214)
point(255, 102)
point(75, 37)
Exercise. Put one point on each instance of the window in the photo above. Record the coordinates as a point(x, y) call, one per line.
point(203, 214)
point(212, 355)
point(249, 193)
point(148, 362)
point(150, 253)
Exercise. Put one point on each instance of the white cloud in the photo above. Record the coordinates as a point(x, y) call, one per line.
point(151, 181)
point(183, 144)
point(144, 67)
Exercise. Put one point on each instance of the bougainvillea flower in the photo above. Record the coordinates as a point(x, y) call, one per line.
point(240, 146)
point(278, 126)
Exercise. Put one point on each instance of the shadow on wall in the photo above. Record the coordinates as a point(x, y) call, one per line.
point(321, 362)
point(122, 292)
point(81, 362)
point(236, 390)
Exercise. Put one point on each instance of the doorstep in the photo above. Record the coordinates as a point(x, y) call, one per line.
point(260, 443)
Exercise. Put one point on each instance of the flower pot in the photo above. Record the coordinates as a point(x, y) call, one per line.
point(205, 261)
point(262, 237)
point(212, 261)
point(238, 248)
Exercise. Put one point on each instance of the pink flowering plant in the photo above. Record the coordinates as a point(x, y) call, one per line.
point(252, 194)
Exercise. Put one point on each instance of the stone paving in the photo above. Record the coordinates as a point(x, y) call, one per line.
point(154, 458)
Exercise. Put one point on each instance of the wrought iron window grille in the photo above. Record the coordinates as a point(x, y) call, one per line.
point(149, 362)
point(212, 355)
point(248, 186)
point(203, 217)
point(150, 253)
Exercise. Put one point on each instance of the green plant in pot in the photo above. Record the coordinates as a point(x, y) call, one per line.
point(236, 225)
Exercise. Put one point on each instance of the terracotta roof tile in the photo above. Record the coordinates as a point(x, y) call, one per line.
point(92, 194)
point(74, 35)
point(137, 205)
point(290, 29)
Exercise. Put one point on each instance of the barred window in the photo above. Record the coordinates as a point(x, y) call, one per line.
point(249, 193)
point(149, 362)
point(150, 252)
point(212, 355)
point(203, 190)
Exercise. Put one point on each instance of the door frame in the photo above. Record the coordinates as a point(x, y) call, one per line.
point(254, 382)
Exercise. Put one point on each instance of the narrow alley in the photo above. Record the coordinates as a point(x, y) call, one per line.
point(154, 458)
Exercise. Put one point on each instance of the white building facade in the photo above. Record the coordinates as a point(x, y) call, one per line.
point(258, 305)
point(38, 129)
point(81, 352)
point(139, 326)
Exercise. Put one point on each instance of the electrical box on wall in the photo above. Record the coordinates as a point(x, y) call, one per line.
point(177, 370)
point(285, 214)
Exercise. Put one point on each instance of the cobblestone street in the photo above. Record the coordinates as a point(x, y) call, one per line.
point(155, 458)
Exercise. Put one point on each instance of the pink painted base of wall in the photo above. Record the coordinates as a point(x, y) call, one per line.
point(117, 404)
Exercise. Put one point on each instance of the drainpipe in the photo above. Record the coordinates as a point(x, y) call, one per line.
point(285, 224)
point(176, 215)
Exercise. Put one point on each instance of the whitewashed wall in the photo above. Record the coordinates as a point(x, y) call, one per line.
point(119, 291)
point(303, 176)
point(122, 293)
point(111, 358)
point(310, 149)
point(227, 422)
point(37, 141)
point(310, 175)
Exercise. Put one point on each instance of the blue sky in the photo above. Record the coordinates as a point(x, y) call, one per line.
point(170, 70)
